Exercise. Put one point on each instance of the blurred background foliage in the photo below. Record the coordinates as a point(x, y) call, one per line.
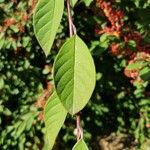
point(118, 112)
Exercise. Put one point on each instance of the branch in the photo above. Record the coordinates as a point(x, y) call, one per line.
point(72, 28)
point(72, 31)
point(78, 127)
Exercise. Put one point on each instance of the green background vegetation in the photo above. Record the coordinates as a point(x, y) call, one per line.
point(24, 74)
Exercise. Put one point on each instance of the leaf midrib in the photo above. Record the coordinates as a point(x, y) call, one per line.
point(74, 72)
point(52, 22)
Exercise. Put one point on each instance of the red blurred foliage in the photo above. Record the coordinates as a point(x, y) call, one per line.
point(14, 1)
point(9, 22)
point(148, 125)
point(115, 18)
point(115, 49)
point(134, 73)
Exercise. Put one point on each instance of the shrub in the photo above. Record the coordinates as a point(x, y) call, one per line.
point(117, 34)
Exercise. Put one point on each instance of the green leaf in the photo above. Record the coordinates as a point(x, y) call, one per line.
point(144, 102)
point(14, 28)
point(80, 145)
point(73, 2)
point(144, 15)
point(2, 40)
point(74, 74)
point(2, 83)
point(87, 2)
point(46, 20)
point(132, 45)
point(136, 65)
point(104, 37)
point(21, 128)
point(54, 117)
point(145, 73)
point(147, 37)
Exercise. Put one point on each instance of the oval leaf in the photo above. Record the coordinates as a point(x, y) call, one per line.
point(46, 20)
point(80, 145)
point(54, 117)
point(74, 74)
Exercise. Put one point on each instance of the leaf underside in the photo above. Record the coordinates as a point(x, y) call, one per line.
point(46, 20)
point(74, 75)
point(54, 117)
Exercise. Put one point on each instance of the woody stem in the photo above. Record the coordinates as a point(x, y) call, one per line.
point(72, 28)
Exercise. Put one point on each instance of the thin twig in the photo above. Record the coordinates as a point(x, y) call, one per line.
point(69, 18)
point(78, 126)
point(72, 28)
point(72, 31)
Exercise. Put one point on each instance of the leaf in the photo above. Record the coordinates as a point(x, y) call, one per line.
point(144, 16)
point(144, 102)
point(46, 20)
point(2, 83)
point(73, 2)
point(80, 145)
point(145, 73)
point(2, 40)
point(54, 117)
point(132, 45)
point(87, 2)
point(21, 128)
point(74, 75)
point(104, 37)
point(147, 37)
point(136, 65)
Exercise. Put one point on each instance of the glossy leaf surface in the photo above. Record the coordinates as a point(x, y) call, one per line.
point(46, 20)
point(74, 74)
point(54, 117)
